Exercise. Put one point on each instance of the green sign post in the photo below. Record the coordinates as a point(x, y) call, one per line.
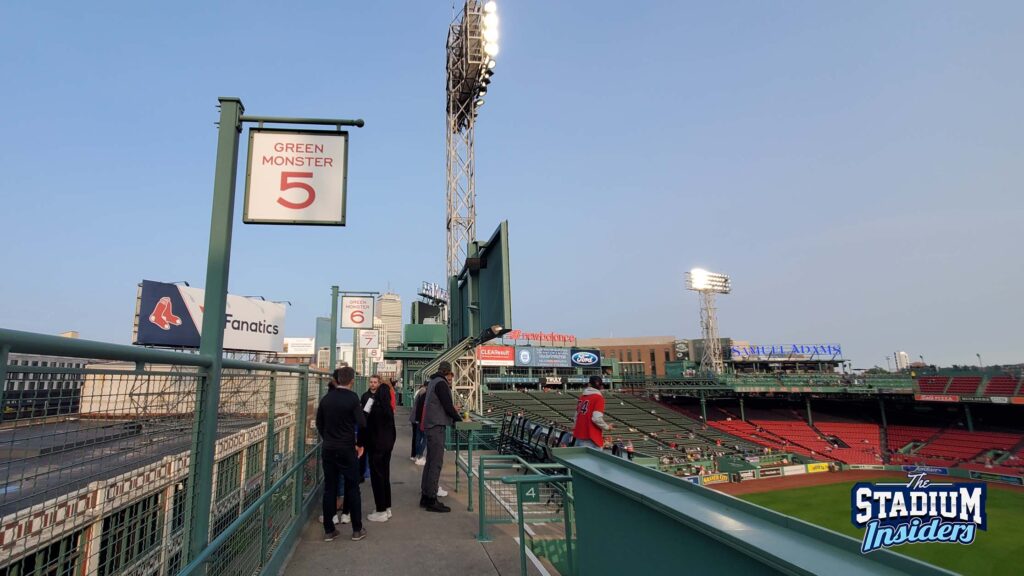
point(218, 264)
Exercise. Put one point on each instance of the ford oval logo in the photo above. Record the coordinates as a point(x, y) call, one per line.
point(584, 358)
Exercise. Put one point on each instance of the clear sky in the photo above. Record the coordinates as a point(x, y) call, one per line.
point(857, 168)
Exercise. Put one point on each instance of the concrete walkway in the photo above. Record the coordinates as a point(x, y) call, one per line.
point(413, 541)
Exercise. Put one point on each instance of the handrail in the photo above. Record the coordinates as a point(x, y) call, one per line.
point(555, 479)
point(228, 532)
point(534, 478)
point(32, 343)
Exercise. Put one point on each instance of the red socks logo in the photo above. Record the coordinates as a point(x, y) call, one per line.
point(162, 316)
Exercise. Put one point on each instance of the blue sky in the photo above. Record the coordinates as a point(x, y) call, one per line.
point(856, 167)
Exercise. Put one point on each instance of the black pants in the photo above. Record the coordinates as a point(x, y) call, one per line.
point(380, 477)
point(341, 466)
point(435, 461)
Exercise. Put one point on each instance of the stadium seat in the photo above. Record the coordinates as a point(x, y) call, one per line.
point(1002, 385)
point(965, 385)
point(932, 384)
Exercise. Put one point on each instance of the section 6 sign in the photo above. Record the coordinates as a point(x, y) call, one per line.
point(296, 177)
point(357, 312)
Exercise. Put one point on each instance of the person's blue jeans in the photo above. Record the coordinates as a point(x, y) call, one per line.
point(419, 441)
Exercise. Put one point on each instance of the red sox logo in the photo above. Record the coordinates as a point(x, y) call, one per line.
point(162, 316)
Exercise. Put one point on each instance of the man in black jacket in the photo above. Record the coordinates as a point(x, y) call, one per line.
point(337, 417)
point(438, 413)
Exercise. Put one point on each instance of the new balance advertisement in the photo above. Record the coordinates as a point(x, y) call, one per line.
point(172, 316)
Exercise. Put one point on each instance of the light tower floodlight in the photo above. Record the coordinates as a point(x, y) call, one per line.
point(472, 47)
point(700, 280)
point(707, 284)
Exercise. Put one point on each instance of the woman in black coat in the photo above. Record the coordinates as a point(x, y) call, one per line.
point(379, 442)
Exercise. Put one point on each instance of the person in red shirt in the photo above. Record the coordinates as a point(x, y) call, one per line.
point(590, 424)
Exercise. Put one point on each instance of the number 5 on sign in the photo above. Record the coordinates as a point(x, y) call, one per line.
point(286, 184)
point(296, 177)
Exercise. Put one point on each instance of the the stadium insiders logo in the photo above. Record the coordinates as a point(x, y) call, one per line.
point(918, 511)
point(162, 316)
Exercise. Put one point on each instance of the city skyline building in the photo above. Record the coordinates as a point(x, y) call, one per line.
point(389, 310)
point(902, 360)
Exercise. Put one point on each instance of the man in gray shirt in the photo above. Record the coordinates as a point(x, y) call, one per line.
point(438, 412)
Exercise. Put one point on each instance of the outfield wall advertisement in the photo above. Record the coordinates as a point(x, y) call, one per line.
point(172, 316)
point(543, 357)
point(794, 470)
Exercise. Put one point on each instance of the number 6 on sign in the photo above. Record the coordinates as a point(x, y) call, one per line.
point(357, 312)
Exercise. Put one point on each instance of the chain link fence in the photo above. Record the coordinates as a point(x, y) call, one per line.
point(95, 454)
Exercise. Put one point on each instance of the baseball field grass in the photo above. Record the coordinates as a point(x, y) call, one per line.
point(997, 551)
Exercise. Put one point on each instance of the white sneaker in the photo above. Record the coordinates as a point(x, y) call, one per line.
point(335, 518)
point(421, 461)
point(345, 519)
point(389, 512)
point(378, 516)
point(413, 458)
point(441, 492)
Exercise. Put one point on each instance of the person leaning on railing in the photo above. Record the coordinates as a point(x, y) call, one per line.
point(438, 412)
point(590, 424)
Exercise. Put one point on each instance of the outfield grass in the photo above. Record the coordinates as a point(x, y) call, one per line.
point(997, 551)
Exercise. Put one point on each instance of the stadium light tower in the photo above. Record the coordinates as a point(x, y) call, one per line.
point(472, 47)
point(707, 284)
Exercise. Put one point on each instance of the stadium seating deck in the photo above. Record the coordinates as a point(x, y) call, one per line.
point(963, 445)
point(933, 384)
point(1003, 385)
point(899, 435)
point(863, 439)
point(645, 426)
point(967, 385)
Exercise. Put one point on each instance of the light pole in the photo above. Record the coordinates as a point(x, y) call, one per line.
point(707, 284)
point(471, 50)
point(921, 356)
point(888, 364)
point(979, 360)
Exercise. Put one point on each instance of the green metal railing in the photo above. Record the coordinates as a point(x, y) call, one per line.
point(472, 440)
point(535, 497)
point(97, 445)
point(558, 548)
